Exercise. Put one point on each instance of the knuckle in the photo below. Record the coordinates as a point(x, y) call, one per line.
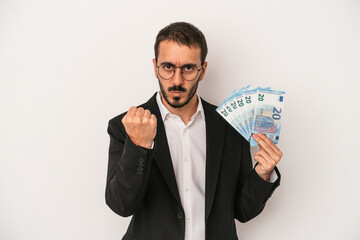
point(126, 120)
point(273, 163)
point(145, 121)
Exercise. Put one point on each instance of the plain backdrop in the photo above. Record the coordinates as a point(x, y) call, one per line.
point(67, 67)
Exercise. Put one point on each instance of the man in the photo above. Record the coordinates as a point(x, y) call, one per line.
point(175, 164)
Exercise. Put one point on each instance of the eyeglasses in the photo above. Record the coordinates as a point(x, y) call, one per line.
point(167, 70)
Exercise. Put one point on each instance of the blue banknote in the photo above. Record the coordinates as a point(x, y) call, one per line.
point(252, 110)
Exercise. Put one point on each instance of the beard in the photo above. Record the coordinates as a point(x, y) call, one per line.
point(175, 103)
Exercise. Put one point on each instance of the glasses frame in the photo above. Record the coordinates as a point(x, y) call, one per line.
point(197, 74)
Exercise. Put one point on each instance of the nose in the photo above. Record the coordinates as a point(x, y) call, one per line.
point(177, 78)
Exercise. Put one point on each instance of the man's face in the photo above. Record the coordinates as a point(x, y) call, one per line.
point(176, 91)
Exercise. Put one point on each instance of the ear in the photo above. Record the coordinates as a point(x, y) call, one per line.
point(204, 66)
point(155, 69)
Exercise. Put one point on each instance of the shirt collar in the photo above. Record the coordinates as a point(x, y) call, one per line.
point(165, 112)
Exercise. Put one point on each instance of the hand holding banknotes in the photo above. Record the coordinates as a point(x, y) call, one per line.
point(140, 125)
point(267, 157)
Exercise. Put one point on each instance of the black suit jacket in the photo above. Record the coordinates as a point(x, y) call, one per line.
point(141, 182)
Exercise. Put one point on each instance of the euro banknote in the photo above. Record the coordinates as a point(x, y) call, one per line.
point(252, 110)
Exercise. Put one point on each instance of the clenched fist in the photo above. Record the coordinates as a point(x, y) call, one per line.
point(140, 125)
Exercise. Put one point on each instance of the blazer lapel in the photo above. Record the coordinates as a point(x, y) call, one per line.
point(215, 131)
point(161, 147)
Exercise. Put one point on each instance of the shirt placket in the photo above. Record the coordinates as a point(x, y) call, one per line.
point(187, 182)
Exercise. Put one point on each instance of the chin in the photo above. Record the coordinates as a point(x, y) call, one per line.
point(180, 100)
point(177, 102)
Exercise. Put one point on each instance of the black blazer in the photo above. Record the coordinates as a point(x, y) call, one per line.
point(141, 182)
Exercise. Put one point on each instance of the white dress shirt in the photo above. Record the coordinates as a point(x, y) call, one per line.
point(187, 145)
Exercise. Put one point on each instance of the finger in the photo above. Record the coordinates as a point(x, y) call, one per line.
point(267, 157)
point(261, 161)
point(146, 117)
point(147, 114)
point(271, 143)
point(132, 111)
point(153, 119)
point(257, 153)
point(264, 145)
point(140, 112)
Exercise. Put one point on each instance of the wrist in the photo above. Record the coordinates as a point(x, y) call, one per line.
point(147, 146)
point(143, 144)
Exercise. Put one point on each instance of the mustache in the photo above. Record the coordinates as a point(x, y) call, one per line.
point(177, 89)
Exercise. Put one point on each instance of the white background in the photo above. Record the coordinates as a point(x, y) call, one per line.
point(67, 67)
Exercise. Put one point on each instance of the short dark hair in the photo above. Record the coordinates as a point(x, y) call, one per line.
point(182, 33)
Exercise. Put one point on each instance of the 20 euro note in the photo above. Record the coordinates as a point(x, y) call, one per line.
point(228, 109)
point(245, 115)
point(237, 103)
point(268, 115)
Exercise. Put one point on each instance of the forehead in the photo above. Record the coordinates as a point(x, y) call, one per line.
point(176, 53)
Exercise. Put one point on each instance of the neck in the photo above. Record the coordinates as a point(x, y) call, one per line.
point(185, 112)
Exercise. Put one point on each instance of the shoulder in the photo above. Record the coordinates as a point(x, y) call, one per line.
point(208, 106)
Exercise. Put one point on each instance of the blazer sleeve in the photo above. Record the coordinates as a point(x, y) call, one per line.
point(128, 171)
point(253, 191)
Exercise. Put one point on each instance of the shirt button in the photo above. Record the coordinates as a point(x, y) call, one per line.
point(180, 215)
point(185, 131)
point(186, 160)
point(186, 189)
point(187, 219)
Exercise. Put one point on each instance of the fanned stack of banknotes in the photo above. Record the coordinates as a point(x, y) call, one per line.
point(252, 110)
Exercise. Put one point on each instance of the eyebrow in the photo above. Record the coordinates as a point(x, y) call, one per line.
point(186, 64)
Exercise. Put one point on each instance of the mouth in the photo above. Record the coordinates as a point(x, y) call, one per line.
point(176, 92)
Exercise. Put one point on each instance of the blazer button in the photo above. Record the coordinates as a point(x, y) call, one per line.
point(141, 160)
point(180, 215)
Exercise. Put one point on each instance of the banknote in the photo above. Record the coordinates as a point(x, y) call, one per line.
point(268, 115)
point(229, 108)
point(252, 110)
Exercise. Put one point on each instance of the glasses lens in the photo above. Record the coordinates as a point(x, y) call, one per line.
point(166, 71)
point(189, 72)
